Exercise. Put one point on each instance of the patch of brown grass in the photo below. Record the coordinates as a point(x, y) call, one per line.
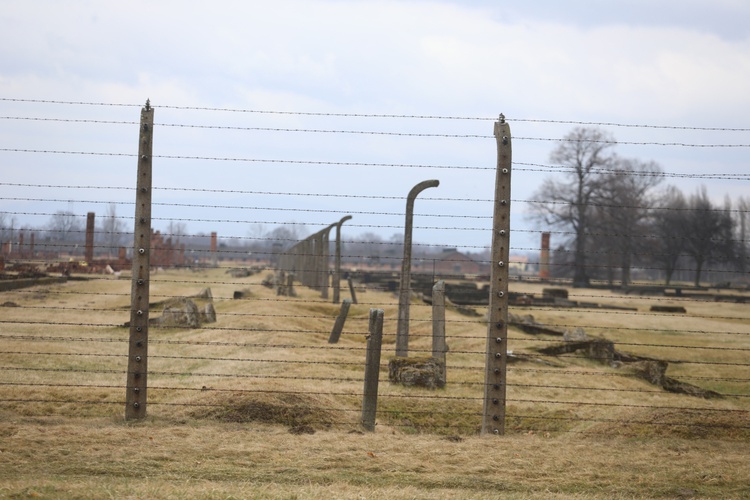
point(224, 398)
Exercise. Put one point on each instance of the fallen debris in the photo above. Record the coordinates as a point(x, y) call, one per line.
point(603, 351)
point(417, 371)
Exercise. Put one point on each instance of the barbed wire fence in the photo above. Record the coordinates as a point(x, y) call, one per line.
point(595, 360)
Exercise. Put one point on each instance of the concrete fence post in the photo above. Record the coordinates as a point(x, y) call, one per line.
point(438, 328)
point(136, 386)
point(316, 270)
point(307, 259)
point(290, 285)
point(338, 326)
point(493, 420)
point(324, 274)
point(404, 294)
point(352, 291)
point(90, 229)
point(372, 370)
point(337, 262)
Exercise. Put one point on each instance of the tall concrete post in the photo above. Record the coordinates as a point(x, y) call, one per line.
point(404, 294)
point(439, 347)
point(337, 262)
point(493, 419)
point(325, 257)
point(136, 395)
point(310, 267)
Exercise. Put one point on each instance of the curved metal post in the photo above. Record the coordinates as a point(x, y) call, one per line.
point(402, 333)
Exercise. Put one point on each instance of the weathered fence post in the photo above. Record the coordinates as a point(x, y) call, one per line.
point(338, 326)
point(337, 262)
point(280, 283)
point(290, 285)
point(372, 370)
point(493, 420)
point(352, 291)
point(438, 328)
point(404, 294)
point(324, 278)
point(317, 257)
point(308, 261)
point(90, 229)
point(136, 396)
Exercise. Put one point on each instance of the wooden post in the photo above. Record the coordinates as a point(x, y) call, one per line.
point(493, 420)
point(372, 370)
point(136, 397)
point(438, 328)
point(338, 326)
point(337, 262)
point(404, 293)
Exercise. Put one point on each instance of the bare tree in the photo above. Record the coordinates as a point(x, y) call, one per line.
point(287, 235)
point(112, 230)
point(622, 203)
point(708, 234)
point(668, 227)
point(365, 248)
point(7, 225)
point(65, 227)
point(743, 208)
point(175, 230)
point(567, 202)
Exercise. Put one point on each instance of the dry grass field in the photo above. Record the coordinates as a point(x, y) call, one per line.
point(259, 405)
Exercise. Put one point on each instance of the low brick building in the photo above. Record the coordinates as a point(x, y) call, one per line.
point(453, 262)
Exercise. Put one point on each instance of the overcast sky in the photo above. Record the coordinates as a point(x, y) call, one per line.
point(659, 62)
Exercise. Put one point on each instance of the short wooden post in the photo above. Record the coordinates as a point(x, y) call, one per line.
point(438, 328)
point(136, 386)
point(338, 326)
point(372, 370)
